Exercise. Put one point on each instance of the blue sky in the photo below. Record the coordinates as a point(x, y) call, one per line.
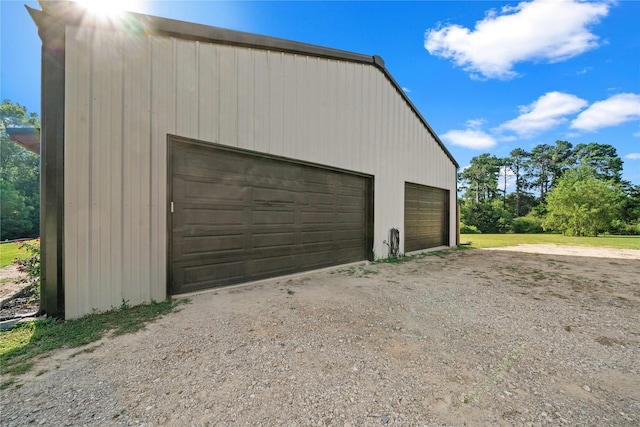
point(488, 76)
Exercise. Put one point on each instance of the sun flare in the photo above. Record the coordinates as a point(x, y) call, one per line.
point(107, 8)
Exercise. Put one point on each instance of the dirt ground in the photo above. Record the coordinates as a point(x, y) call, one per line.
point(17, 298)
point(529, 336)
point(10, 281)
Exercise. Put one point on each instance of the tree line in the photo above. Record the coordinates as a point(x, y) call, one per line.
point(19, 177)
point(576, 190)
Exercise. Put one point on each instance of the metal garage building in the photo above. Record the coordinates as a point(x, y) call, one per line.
point(179, 157)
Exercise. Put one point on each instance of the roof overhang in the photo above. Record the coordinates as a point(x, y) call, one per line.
point(29, 138)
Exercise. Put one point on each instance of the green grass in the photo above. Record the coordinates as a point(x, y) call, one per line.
point(499, 240)
point(22, 345)
point(8, 252)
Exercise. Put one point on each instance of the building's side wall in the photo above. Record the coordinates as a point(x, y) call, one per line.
point(125, 93)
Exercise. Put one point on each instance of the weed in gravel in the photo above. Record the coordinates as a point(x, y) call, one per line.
point(557, 295)
point(6, 384)
point(348, 271)
point(609, 342)
point(493, 379)
point(290, 292)
point(407, 258)
point(568, 328)
point(20, 346)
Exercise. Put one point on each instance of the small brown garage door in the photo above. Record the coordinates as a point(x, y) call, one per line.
point(426, 217)
point(239, 216)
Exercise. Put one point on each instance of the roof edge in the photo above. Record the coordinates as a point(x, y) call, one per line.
point(70, 13)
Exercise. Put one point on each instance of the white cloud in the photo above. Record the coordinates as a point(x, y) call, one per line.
point(632, 156)
point(406, 89)
point(618, 109)
point(475, 123)
point(548, 30)
point(545, 113)
point(469, 138)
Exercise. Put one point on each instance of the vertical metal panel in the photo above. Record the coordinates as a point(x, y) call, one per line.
point(260, 135)
point(77, 173)
point(228, 96)
point(119, 114)
point(245, 93)
point(187, 90)
point(136, 137)
point(105, 92)
point(208, 79)
point(289, 115)
point(276, 102)
point(163, 87)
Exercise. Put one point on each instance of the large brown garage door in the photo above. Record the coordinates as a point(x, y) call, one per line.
point(426, 217)
point(239, 216)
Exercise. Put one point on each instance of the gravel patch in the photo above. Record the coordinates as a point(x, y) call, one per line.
point(470, 337)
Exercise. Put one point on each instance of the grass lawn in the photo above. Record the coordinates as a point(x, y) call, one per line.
point(498, 240)
point(8, 252)
point(20, 346)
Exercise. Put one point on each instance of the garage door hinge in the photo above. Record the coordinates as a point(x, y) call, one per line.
point(171, 207)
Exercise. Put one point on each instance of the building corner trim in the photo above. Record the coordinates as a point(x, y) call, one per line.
point(52, 34)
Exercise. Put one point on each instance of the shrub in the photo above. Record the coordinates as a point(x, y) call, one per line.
point(469, 229)
point(488, 217)
point(618, 227)
point(529, 224)
point(31, 263)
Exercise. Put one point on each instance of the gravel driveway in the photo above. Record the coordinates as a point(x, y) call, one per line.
point(533, 335)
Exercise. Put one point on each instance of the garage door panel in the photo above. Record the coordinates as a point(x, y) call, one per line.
point(234, 251)
point(317, 258)
point(310, 217)
point(347, 235)
point(189, 161)
point(210, 278)
point(271, 266)
point(426, 218)
point(346, 202)
point(348, 219)
point(199, 191)
point(349, 253)
point(269, 195)
point(272, 217)
point(272, 240)
point(317, 237)
point(207, 245)
point(203, 216)
point(257, 217)
point(318, 200)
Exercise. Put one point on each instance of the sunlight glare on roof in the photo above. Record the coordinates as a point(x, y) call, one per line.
point(108, 8)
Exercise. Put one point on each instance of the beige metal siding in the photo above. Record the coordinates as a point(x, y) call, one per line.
point(126, 92)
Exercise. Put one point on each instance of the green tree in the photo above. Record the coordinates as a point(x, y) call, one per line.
point(547, 164)
point(602, 158)
point(540, 166)
point(581, 204)
point(517, 162)
point(19, 177)
point(487, 216)
point(630, 207)
point(481, 177)
point(561, 159)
